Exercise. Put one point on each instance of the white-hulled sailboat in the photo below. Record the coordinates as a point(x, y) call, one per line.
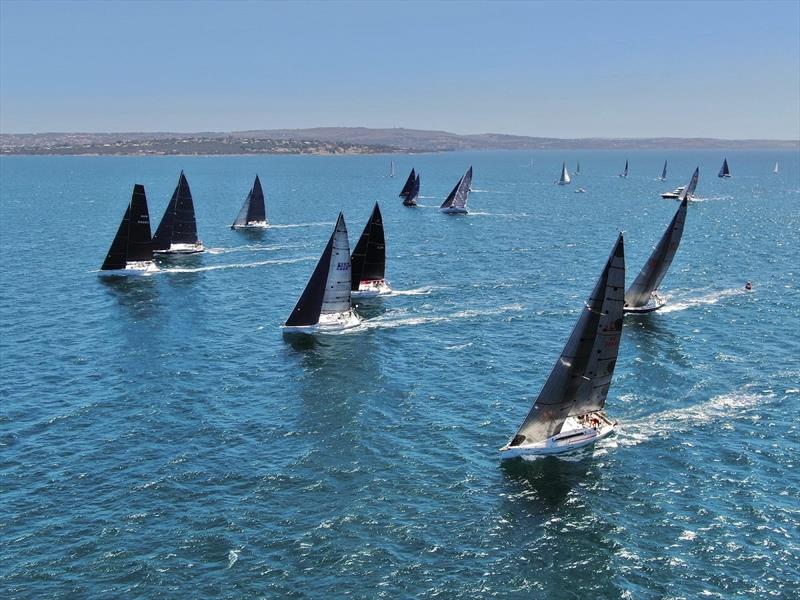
point(776, 170)
point(568, 413)
point(564, 179)
point(724, 171)
point(325, 303)
point(369, 260)
point(642, 296)
point(131, 252)
point(253, 214)
point(456, 201)
point(177, 232)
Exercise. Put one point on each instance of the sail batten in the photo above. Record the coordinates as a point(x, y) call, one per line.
point(368, 261)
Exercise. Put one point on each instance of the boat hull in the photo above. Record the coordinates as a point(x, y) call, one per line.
point(652, 305)
point(454, 211)
point(328, 323)
point(371, 289)
point(409, 202)
point(252, 225)
point(183, 249)
point(133, 269)
point(573, 436)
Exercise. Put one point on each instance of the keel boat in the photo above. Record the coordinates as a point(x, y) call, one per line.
point(131, 252)
point(253, 214)
point(456, 201)
point(177, 232)
point(369, 260)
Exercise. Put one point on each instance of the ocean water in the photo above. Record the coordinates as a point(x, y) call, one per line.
point(160, 438)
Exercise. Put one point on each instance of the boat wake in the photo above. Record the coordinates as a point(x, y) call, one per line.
point(236, 265)
point(711, 298)
point(251, 248)
point(293, 225)
point(423, 291)
point(400, 318)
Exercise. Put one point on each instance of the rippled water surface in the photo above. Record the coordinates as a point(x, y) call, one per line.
point(159, 437)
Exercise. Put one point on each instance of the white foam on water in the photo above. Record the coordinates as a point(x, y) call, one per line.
point(251, 248)
point(237, 265)
point(423, 291)
point(390, 322)
point(292, 225)
point(706, 299)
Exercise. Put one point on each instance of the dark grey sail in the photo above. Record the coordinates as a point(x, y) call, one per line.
point(460, 194)
point(688, 191)
point(724, 170)
point(408, 184)
point(581, 376)
point(369, 256)
point(413, 194)
point(253, 209)
point(664, 171)
point(625, 170)
point(309, 307)
point(655, 268)
point(132, 242)
point(178, 225)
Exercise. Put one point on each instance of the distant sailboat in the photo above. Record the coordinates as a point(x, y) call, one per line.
point(253, 214)
point(131, 252)
point(564, 180)
point(369, 260)
point(391, 168)
point(642, 296)
point(688, 192)
point(775, 170)
point(568, 413)
point(625, 170)
point(724, 170)
point(578, 168)
point(456, 201)
point(177, 232)
point(663, 172)
point(408, 184)
point(413, 194)
point(325, 302)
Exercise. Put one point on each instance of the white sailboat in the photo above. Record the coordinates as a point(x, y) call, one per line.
point(564, 179)
point(776, 170)
point(568, 413)
point(391, 168)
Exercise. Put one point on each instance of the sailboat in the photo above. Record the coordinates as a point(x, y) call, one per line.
point(413, 194)
point(456, 201)
point(391, 168)
point(625, 170)
point(776, 170)
point(568, 413)
point(252, 215)
point(663, 172)
point(325, 303)
point(687, 193)
point(369, 260)
point(578, 168)
point(131, 252)
point(564, 180)
point(642, 296)
point(177, 232)
point(408, 184)
point(724, 170)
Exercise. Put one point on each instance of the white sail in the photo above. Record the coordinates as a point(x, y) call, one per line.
point(337, 287)
point(564, 175)
point(775, 170)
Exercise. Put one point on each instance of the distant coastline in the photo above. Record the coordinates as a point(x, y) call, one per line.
point(338, 140)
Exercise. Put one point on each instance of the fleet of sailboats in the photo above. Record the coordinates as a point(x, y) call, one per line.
point(456, 201)
point(131, 252)
point(253, 214)
point(177, 232)
point(369, 259)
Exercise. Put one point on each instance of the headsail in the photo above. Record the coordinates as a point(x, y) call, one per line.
point(664, 171)
point(724, 170)
point(408, 184)
point(460, 194)
point(369, 256)
point(656, 266)
point(688, 191)
point(564, 179)
point(253, 209)
point(133, 241)
point(582, 374)
point(178, 225)
point(328, 289)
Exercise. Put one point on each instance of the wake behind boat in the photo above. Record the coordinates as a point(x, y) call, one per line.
point(253, 214)
point(369, 260)
point(642, 296)
point(325, 303)
point(177, 232)
point(131, 252)
point(568, 413)
point(456, 201)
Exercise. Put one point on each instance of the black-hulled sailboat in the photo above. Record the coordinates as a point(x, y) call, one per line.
point(131, 252)
point(624, 171)
point(568, 413)
point(564, 179)
point(177, 232)
point(456, 201)
point(369, 260)
point(408, 184)
point(325, 303)
point(724, 171)
point(642, 296)
point(253, 214)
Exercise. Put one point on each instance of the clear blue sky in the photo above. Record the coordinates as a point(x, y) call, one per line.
point(566, 69)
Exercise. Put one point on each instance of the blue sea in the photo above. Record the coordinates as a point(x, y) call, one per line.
point(160, 438)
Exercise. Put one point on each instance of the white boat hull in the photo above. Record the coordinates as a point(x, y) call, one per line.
point(573, 436)
point(328, 323)
point(454, 211)
point(252, 225)
point(371, 289)
point(183, 249)
point(134, 269)
point(652, 305)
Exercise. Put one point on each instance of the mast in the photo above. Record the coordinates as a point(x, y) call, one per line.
point(564, 180)
point(132, 241)
point(408, 184)
point(580, 379)
point(688, 191)
point(178, 225)
point(653, 271)
point(369, 256)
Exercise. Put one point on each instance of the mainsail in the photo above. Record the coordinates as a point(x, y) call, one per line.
point(411, 199)
point(178, 225)
point(724, 170)
point(132, 242)
point(328, 289)
point(656, 266)
point(253, 210)
point(579, 381)
point(564, 180)
point(664, 171)
point(408, 184)
point(688, 191)
point(625, 170)
point(460, 194)
point(369, 256)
